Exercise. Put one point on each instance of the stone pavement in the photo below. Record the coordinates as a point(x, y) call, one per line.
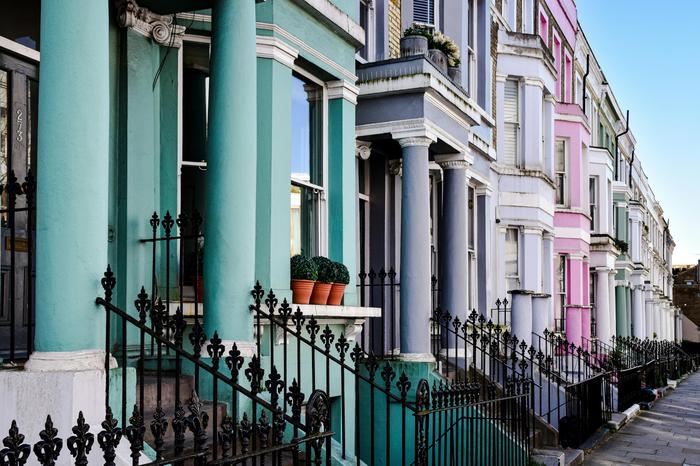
point(668, 435)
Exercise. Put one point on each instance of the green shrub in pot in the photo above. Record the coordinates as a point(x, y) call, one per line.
point(326, 271)
point(341, 273)
point(303, 268)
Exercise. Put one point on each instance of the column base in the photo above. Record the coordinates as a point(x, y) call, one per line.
point(54, 361)
point(416, 357)
point(62, 385)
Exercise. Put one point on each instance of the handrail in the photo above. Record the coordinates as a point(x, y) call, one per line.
point(193, 359)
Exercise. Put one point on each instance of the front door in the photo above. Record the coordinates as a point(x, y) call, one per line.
point(19, 89)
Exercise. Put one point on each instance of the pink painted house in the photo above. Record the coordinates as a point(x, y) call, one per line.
point(571, 303)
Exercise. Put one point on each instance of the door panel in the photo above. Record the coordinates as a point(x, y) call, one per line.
point(18, 133)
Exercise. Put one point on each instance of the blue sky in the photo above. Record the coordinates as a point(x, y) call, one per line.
point(648, 52)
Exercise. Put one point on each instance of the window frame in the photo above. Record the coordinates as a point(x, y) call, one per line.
point(560, 293)
point(593, 201)
point(516, 276)
point(322, 217)
point(565, 184)
point(515, 123)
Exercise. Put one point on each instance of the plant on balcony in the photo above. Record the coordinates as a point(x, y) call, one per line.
point(443, 43)
point(326, 276)
point(342, 278)
point(622, 246)
point(304, 274)
point(415, 40)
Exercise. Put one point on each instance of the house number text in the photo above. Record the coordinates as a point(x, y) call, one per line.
point(20, 127)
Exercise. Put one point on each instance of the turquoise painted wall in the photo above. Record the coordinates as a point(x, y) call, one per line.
point(288, 15)
point(341, 190)
point(273, 174)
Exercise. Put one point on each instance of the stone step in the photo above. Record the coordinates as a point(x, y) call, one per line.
point(168, 386)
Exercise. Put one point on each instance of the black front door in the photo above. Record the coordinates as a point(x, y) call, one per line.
point(19, 92)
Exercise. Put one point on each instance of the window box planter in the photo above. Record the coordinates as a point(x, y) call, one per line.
point(455, 74)
point(414, 45)
point(439, 58)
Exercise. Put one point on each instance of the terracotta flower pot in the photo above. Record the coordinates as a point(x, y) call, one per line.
point(301, 291)
point(320, 293)
point(336, 295)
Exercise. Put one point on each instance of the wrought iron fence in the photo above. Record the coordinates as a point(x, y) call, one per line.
point(17, 223)
point(454, 428)
point(588, 407)
point(382, 289)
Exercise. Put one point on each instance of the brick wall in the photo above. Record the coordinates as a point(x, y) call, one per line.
point(494, 66)
point(395, 31)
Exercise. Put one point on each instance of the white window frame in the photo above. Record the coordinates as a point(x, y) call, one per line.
point(593, 202)
point(565, 181)
point(472, 249)
point(365, 199)
point(471, 52)
point(541, 13)
point(322, 227)
point(516, 276)
point(370, 40)
point(516, 123)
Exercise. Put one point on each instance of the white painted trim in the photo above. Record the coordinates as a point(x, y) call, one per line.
point(341, 21)
point(14, 47)
point(276, 49)
point(349, 75)
point(342, 89)
point(572, 233)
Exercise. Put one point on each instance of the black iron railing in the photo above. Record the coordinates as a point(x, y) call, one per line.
point(17, 223)
point(382, 289)
point(588, 407)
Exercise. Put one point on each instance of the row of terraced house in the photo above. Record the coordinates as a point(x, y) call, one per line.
point(465, 160)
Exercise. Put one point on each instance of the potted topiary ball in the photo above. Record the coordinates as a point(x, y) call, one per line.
point(304, 275)
point(326, 276)
point(342, 278)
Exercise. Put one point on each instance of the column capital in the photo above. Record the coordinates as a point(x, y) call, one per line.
point(342, 89)
point(454, 164)
point(411, 141)
point(275, 49)
point(161, 28)
point(363, 149)
point(483, 190)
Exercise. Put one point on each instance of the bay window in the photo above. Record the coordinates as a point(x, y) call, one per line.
point(307, 190)
point(560, 171)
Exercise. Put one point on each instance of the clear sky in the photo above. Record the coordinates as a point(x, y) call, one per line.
point(648, 52)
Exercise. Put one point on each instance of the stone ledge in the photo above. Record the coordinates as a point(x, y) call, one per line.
point(343, 312)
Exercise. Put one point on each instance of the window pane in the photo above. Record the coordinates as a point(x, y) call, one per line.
point(304, 221)
point(511, 258)
point(307, 132)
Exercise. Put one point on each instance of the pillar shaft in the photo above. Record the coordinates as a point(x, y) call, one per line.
point(415, 247)
point(453, 250)
point(621, 310)
point(229, 259)
point(73, 177)
point(602, 320)
point(638, 313)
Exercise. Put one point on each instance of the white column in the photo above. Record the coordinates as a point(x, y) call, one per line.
point(648, 314)
point(638, 312)
point(531, 278)
point(612, 308)
point(656, 312)
point(548, 277)
point(602, 305)
point(548, 131)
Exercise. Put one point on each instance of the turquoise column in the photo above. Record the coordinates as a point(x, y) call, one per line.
point(621, 310)
point(229, 247)
point(73, 181)
point(341, 184)
point(274, 169)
